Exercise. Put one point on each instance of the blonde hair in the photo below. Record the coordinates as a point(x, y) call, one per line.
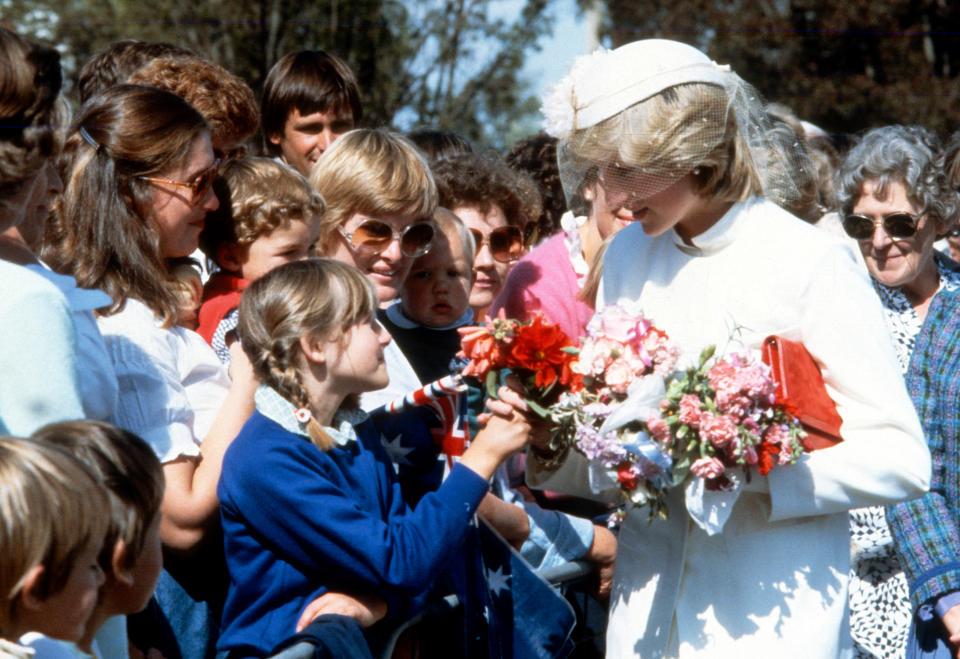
point(448, 222)
point(373, 172)
point(51, 509)
point(320, 297)
point(256, 196)
point(667, 131)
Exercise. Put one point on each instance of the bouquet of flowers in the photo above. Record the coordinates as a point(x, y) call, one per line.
point(622, 363)
point(537, 352)
point(645, 427)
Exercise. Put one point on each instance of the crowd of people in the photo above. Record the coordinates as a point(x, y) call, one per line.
point(202, 350)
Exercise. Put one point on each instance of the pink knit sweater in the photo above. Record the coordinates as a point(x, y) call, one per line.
point(544, 280)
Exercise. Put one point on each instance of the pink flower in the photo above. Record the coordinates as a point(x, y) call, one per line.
point(690, 410)
point(620, 326)
point(618, 376)
point(657, 427)
point(707, 468)
point(719, 429)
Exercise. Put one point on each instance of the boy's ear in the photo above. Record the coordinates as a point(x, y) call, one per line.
point(30, 594)
point(275, 138)
point(230, 256)
point(313, 348)
point(120, 565)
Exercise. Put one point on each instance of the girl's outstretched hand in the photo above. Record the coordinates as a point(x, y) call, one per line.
point(505, 431)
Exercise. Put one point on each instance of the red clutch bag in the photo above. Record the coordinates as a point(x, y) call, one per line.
point(799, 381)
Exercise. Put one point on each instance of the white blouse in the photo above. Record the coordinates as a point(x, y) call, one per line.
point(171, 384)
point(775, 580)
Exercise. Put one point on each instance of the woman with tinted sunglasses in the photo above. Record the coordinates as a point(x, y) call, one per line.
point(379, 195)
point(895, 200)
point(497, 204)
point(138, 187)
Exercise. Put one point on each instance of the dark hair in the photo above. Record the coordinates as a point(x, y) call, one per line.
point(30, 80)
point(536, 156)
point(469, 179)
point(118, 62)
point(103, 233)
point(435, 143)
point(307, 81)
point(129, 470)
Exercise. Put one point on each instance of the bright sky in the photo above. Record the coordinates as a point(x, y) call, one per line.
point(569, 39)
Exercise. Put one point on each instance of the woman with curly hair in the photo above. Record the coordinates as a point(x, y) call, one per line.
point(496, 203)
point(895, 199)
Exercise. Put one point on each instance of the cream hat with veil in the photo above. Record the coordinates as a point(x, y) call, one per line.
point(648, 113)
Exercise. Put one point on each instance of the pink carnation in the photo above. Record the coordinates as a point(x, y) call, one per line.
point(719, 429)
point(618, 375)
point(707, 468)
point(690, 410)
point(658, 428)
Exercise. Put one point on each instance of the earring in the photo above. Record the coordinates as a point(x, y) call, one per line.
point(302, 415)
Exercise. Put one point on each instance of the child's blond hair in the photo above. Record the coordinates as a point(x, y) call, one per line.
point(448, 223)
point(256, 195)
point(51, 509)
point(375, 173)
point(130, 472)
point(321, 297)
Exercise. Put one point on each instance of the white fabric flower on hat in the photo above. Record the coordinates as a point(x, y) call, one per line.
point(560, 104)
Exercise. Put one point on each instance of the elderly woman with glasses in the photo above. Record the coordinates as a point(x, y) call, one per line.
point(895, 200)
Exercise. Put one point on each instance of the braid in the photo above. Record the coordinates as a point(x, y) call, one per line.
point(284, 377)
point(316, 296)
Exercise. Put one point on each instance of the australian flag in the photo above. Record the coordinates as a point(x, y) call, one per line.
point(514, 610)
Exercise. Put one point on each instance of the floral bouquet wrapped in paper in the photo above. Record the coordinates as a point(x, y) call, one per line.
point(622, 363)
point(645, 427)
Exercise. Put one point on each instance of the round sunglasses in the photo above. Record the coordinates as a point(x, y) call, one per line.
point(897, 225)
point(199, 185)
point(506, 243)
point(373, 236)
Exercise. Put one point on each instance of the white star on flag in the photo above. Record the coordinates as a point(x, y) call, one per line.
point(397, 452)
point(497, 581)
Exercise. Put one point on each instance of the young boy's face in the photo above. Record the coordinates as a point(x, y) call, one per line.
point(131, 593)
point(294, 241)
point(436, 293)
point(65, 613)
point(306, 137)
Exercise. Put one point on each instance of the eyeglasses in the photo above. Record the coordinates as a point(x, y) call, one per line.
point(373, 236)
point(898, 225)
point(506, 243)
point(198, 186)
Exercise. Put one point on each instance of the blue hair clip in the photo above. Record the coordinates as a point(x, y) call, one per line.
point(89, 140)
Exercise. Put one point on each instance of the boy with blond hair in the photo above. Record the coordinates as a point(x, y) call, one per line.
point(131, 556)
point(52, 529)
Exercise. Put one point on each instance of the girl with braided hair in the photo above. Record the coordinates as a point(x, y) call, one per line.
point(336, 519)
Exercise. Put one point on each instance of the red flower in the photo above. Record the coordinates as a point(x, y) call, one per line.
point(767, 453)
point(538, 347)
point(627, 477)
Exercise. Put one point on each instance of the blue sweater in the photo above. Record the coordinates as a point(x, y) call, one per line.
point(298, 521)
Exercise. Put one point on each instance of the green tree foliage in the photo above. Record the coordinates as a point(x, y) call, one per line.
point(846, 66)
point(452, 64)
